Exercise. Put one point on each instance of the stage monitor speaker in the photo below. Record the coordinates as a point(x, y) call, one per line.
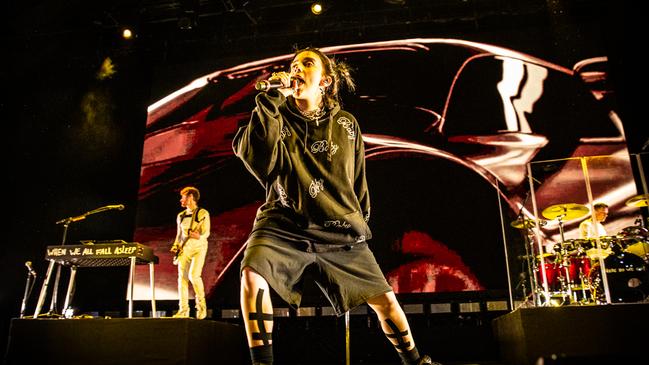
point(596, 334)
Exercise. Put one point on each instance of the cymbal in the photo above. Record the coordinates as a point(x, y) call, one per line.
point(538, 257)
point(522, 223)
point(566, 211)
point(638, 201)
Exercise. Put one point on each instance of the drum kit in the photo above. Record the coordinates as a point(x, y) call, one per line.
point(572, 272)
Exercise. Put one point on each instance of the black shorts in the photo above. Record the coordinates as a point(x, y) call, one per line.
point(347, 275)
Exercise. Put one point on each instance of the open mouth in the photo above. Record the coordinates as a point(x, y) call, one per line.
point(297, 79)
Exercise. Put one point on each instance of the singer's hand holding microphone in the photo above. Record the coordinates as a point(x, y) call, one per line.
point(278, 80)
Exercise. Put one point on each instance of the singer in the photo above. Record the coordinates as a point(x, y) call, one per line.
point(308, 154)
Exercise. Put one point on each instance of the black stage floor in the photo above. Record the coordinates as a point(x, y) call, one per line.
point(537, 336)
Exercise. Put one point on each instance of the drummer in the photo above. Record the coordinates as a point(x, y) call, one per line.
point(589, 230)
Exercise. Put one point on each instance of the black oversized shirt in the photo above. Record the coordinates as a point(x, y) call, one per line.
point(313, 172)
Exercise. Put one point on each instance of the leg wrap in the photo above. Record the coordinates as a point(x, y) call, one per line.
point(262, 355)
point(400, 336)
point(260, 317)
point(410, 357)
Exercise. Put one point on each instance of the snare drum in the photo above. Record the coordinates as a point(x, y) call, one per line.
point(575, 247)
point(608, 244)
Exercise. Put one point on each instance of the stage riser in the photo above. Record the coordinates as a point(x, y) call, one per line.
point(574, 334)
point(302, 340)
point(125, 341)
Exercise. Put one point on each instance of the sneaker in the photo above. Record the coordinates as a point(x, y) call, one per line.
point(201, 309)
point(201, 313)
point(426, 360)
point(181, 314)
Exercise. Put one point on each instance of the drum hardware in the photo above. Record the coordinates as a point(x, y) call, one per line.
point(527, 223)
point(528, 298)
point(562, 212)
point(567, 274)
point(579, 267)
point(559, 268)
point(574, 277)
point(530, 259)
point(567, 271)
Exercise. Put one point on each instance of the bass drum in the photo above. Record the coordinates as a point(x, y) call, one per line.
point(628, 279)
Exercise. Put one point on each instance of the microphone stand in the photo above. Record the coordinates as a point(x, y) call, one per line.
point(564, 263)
point(529, 254)
point(66, 223)
point(41, 298)
point(29, 285)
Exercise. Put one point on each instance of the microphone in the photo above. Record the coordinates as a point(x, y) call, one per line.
point(105, 208)
point(265, 85)
point(109, 207)
point(28, 264)
point(84, 215)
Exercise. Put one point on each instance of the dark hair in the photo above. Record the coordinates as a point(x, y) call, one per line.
point(190, 190)
point(599, 206)
point(340, 73)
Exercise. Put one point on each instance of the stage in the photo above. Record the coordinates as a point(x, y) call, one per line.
point(452, 339)
point(558, 335)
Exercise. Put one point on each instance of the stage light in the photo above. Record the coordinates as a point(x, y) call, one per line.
point(497, 305)
point(230, 313)
point(281, 312)
point(127, 33)
point(413, 308)
point(441, 308)
point(188, 20)
point(306, 312)
point(471, 307)
point(316, 8)
point(68, 313)
point(185, 23)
